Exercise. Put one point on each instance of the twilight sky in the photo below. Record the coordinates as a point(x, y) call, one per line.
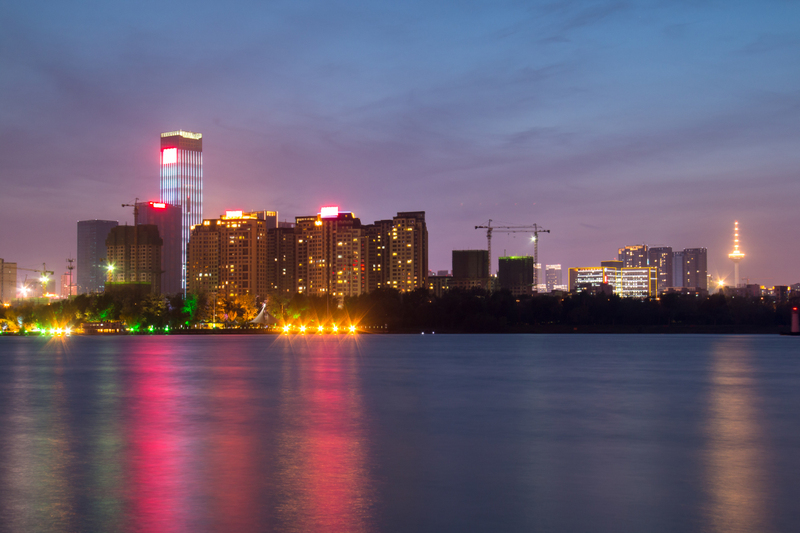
point(609, 123)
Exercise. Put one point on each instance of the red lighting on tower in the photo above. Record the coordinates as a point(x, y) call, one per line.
point(169, 156)
point(158, 205)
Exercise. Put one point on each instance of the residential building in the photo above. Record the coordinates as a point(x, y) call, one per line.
point(281, 261)
point(693, 268)
point(91, 258)
point(8, 282)
point(134, 255)
point(661, 258)
point(516, 274)
point(633, 256)
point(228, 256)
point(471, 269)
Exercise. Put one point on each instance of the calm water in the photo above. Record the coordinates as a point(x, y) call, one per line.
point(400, 433)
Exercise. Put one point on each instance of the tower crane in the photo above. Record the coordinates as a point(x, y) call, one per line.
point(535, 229)
point(44, 272)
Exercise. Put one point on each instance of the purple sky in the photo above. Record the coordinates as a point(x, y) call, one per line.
point(609, 123)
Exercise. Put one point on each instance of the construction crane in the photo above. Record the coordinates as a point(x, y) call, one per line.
point(135, 206)
point(535, 229)
point(44, 279)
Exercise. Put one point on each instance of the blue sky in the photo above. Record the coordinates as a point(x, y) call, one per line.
point(610, 123)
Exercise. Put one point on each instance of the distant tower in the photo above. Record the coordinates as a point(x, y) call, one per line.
point(737, 255)
point(182, 182)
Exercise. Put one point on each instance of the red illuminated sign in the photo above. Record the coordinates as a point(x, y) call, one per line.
point(329, 212)
point(169, 156)
point(158, 205)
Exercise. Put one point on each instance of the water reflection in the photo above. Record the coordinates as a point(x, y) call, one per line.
point(322, 447)
point(159, 456)
point(735, 451)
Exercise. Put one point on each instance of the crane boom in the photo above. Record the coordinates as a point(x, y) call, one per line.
point(535, 229)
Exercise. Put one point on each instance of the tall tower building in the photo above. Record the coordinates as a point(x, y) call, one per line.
point(695, 269)
point(736, 255)
point(661, 257)
point(182, 182)
point(92, 254)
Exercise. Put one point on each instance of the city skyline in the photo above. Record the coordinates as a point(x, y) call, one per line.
point(609, 125)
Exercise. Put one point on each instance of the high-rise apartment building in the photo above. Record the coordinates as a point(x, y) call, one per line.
point(633, 256)
point(516, 274)
point(330, 254)
point(182, 182)
point(471, 269)
point(134, 252)
point(694, 268)
point(167, 218)
point(281, 261)
point(553, 277)
point(228, 256)
point(408, 251)
point(8, 282)
point(92, 254)
point(661, 258)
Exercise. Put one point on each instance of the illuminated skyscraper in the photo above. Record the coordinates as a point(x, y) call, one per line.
point(182, 182)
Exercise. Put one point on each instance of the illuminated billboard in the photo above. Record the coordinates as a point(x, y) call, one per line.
point(329, 212)
point(169, 156)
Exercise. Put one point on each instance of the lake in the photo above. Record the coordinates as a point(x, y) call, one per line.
point(400, 433)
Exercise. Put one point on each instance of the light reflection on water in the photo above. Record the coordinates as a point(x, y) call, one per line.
point(399, 433)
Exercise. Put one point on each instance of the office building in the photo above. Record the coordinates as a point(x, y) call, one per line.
point(553, 278)
point(661, 258)
point(516, 274)
point(182, 182)
point(91, 258)
point(633, 256)
point(228, 256)
point(167, 218)
point(622, 281)
point(8, 282)
point(134, 253)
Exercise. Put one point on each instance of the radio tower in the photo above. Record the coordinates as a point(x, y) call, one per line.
point(737, 255)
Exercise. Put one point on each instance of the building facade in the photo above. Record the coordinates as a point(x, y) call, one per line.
point(91, 258)
point(8, 282)
point(182, 182)
point(633, 256)
point(553, 278)
point(516, 274)
point(624, 282)
point(167, 218)
point(228, 256)
point(694, 268)
point(134, 252)
point(661, 258)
